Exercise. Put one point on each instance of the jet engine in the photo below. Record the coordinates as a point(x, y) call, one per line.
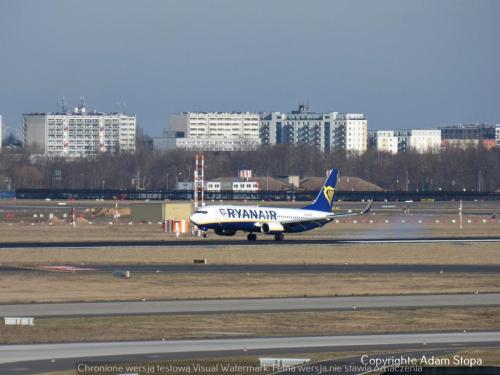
point(272, 227)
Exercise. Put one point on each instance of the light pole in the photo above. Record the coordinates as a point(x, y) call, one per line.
point(177, 179)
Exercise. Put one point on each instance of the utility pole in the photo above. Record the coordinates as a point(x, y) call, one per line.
point(460, 209)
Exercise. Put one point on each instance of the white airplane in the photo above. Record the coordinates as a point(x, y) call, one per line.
point(226, 220)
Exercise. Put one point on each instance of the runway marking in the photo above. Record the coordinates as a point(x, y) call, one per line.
point(63, 268)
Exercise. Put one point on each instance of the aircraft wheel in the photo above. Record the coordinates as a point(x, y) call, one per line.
point(205, 235)
point(279, 237)
point(251, 237)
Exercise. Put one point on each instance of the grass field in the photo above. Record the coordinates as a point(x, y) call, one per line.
point(157, 327)
point(467, 253)
point(30, 287)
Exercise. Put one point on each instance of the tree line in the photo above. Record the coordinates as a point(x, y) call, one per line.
point(472, 169)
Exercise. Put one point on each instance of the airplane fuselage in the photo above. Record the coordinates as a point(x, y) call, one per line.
point(269, 220)
point(226, 220)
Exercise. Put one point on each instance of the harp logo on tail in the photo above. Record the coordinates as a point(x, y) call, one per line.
point(329, 191)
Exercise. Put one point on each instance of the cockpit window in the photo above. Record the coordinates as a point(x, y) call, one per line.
point(201, 212)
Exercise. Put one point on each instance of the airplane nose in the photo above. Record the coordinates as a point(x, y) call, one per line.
point(192, 219)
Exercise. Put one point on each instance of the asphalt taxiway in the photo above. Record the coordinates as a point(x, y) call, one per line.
point(23, 358)
point(244, 242)
point(249, 305)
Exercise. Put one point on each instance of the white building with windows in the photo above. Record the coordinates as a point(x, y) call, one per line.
point(79, 133)
point(425, 140)
point(219, 131)
point(328, 131)
point(216, 144)
point(212, 131)
point(386, 142)
point(419, 140)
point(349, 132)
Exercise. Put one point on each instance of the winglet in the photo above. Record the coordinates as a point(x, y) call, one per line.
point(367, 208)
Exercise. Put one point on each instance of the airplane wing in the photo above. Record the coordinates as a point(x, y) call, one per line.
point(364, 212)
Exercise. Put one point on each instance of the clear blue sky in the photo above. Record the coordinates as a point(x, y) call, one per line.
point(402, 63)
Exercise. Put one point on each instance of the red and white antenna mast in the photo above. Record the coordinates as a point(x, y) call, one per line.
point(199, 180)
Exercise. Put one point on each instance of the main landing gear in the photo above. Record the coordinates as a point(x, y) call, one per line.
point(279, 237)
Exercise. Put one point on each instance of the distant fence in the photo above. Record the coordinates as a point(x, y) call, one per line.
point(290, 195)
point(7, 194)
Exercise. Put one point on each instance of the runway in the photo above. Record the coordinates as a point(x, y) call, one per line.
point(249, 305)
point(18, 358)
point(268, 241)
point(269, 268)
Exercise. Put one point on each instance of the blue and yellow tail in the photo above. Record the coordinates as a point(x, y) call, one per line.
point(324, 200)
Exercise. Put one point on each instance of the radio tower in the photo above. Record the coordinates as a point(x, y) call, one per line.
point(199, 180)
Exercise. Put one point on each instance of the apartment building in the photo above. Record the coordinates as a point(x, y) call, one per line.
point(463, 136)
point(328, 131)
point(384, 141)
point(79, 133)
point(418, 140)
point(214, 131)
point(349, 133)
point(468, 131)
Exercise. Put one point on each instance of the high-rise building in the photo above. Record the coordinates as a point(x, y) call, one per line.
point(241, 131)
point(79, 133)
point(349, 133)
point(214, 131)
point(296, 127)
point(327, 131)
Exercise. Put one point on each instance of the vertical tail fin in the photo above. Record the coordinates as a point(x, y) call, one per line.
point(324, 200)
